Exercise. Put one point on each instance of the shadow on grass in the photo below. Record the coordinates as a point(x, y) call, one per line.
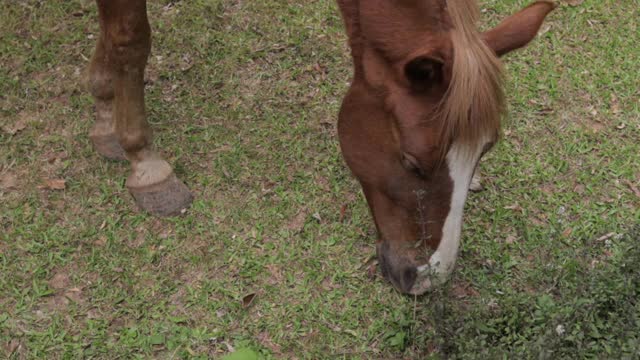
point(595, 315)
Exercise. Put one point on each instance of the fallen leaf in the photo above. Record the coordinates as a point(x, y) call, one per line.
point(595, 126)
point(372, 270)
point(297, 223)
point(462, 291)
point(275, 272)
point(567, 232)
point(248, 300)
point(100, 242)
point(574, 2)
point(8, 181)
point(53, 157)
point(343, 212)
point(615, 105)
point(537, 221)
point(323, 183)
point(60, 281)
point(11, 347)
point(579, 189)
point(54, 184)
point(19, 125)
point(606, 237)
point(514, 207)
point(230, 347)
point(633, 188)
point(74, 294)
point(510, 239)
point(545, 29)
point(267, 342)
point(327, 284)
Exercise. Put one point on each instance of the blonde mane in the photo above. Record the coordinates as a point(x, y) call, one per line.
point(474, 102)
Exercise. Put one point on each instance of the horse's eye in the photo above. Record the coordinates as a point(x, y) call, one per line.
point(410, 163)
point(423, 73)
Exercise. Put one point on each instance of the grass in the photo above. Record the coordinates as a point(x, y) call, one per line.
point(243, 97)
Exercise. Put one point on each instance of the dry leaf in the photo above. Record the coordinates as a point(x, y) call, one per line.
point(8, 181)
point(11, 347)
point(615, 105)
point(323, 183)
point(514, 207)
point(633, 188)
point(372, 271)
point(510, 239)
point(267, 342)
point(60, 281)
point(567, 232)
point(537, 221)
point(462, 291)
point(54, 184)
point(248, 300)
point(545, 29)
point(18, 126)
point(297, 223)
point(606, 237)
point(343, 212)
point(574, 2)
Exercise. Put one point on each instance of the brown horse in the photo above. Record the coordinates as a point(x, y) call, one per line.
point(424, 106)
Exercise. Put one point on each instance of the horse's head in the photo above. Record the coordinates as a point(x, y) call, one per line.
point(424, 106)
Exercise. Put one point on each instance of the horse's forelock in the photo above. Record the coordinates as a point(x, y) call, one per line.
point(474, 102)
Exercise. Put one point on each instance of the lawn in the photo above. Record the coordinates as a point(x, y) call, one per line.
point(276, 253)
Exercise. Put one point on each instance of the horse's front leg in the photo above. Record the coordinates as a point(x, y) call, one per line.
point(117, 83)
point(103, 133)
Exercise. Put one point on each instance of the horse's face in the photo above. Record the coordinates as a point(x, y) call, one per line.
point(409, 135)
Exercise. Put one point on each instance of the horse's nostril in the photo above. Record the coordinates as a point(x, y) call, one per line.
point(397, 268)
point(409, 276)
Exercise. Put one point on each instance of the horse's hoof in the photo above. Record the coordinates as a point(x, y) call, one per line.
point(108, 146)
point(166, 198)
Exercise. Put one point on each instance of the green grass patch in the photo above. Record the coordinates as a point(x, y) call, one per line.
point(243, 97)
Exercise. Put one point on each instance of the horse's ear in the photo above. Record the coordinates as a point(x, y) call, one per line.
point(519, 29)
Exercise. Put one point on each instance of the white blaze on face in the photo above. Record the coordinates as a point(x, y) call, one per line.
point(461, 162)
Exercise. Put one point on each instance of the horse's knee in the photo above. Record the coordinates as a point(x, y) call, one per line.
point(100, 81)
point(128, 52)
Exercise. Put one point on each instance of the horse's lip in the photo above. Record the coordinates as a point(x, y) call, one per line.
point(425, 281)
point(420, 288)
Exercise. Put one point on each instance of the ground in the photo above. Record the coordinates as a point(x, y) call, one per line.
point(276, 253)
